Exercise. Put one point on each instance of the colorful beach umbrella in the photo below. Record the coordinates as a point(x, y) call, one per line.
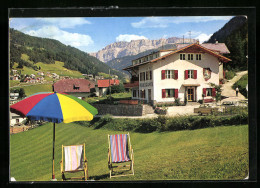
point(56, 108)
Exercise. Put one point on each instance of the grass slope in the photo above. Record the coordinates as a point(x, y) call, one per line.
point(219, 153)
point(241, 84)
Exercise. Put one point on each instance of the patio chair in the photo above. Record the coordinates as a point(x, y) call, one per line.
point(74, 161)
point(120, 151)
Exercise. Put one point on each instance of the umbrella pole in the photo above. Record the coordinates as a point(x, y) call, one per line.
point(53, 149)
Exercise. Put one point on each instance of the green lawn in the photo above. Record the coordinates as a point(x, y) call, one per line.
point(219, 153)
point(116, 96)
point(59, 69)
point(29, 90)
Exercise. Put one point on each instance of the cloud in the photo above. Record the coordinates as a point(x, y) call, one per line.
point(73, 39)
point(128, 38)
point(64, 22)
point(203, 37)
point(163, 22)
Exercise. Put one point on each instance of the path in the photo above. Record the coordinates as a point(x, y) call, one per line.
point(229, 92)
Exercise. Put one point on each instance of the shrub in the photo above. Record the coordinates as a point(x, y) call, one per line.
point(241, 84)
point(106, 118)
point(230, 74)
point(177, 102)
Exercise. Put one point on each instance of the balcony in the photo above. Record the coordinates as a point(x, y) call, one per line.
point(131, 84)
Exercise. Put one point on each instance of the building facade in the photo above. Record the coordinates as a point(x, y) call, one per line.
point(183, 73)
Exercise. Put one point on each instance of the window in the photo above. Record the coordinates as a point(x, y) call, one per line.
point(169, 93)
point(169, 74)
point(190, 74)
point(149, 75)
point(134, 93)
point(143, 94)
point(190, 56)
point(142, 76)
point(182, 56)
point(209, 92)
point(198, 56)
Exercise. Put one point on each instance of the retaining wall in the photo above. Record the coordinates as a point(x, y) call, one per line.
point(119, 110)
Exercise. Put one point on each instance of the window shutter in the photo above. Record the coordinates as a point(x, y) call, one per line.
point(186, 74)
point(204, 91)
point(213, 92)
point(195, 74)
point(163, 74)
point(176, 93)
point(175, 74)
point(163, 93)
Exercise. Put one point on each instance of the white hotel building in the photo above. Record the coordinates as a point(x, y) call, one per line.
point(185, 72)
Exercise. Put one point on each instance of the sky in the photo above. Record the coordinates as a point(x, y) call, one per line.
point(91, 34)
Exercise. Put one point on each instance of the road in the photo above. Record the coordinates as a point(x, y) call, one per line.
point(229, 92)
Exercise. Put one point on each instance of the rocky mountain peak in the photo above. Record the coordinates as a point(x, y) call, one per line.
point(122, 48)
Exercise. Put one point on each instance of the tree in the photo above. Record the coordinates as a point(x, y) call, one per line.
point(22, 93)
point(117, 88)
point(218, 91)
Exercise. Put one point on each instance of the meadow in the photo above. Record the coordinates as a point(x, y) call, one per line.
point(215, 153)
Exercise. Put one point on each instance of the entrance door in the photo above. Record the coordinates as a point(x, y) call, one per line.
point(190, 94)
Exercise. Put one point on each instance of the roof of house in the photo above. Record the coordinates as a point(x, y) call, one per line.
point(194, 45)
point(105, 83)
point(73, 86)
point(218, 47)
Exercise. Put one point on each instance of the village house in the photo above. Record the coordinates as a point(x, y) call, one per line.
point(80, 88)
point(183, 73)
point(32, 75)
point(29, 80)
point(13, 97)
point(15, 77)
point(103, 86)
point(99, 77)
point(55, 76)
point(40, 73)
point(15, 119)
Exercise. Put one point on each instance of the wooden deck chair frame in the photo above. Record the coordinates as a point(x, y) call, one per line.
point(130, 167)
point(85, 167)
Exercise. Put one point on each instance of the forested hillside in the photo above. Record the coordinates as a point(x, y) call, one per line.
point(48, 51)
point(235, 35)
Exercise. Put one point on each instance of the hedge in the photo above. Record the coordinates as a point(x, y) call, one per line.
point(163, 123)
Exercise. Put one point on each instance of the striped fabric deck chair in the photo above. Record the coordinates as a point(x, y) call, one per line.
point(120, 151)
point(74, 161)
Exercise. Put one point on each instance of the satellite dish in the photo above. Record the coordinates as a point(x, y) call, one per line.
point(247, 87)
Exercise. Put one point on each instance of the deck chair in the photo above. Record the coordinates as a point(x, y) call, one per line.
point(120, 155)
point(74, 161)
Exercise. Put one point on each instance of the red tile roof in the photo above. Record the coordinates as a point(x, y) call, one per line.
point(73, 86)
point(105, 83)
point(218, 47)
point(212, 52)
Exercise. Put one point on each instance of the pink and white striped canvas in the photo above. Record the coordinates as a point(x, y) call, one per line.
point(119, 148)
point(73, 157)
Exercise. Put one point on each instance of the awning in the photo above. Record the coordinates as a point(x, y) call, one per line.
point(189, 85)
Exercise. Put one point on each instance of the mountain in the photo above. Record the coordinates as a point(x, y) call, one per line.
point(121, 49)
point(48, 51)
point(235, 35)
point(234, 24)
point(122, 62)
